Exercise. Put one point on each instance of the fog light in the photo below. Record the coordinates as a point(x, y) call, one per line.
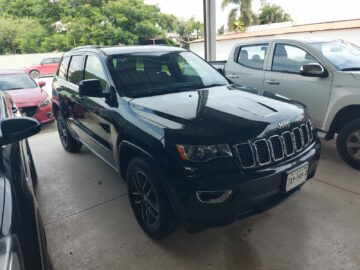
point(213, 196)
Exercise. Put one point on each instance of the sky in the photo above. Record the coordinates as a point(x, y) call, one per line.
point(301, 11)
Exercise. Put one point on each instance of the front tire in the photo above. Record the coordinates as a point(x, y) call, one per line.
point(147, 198)
point(348, 143)
point(68, 142)
point(34, 74)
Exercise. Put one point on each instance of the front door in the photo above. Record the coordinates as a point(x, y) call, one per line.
point(284, 78)
point(95, 113)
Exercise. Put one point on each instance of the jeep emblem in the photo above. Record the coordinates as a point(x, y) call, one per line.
point(283, 124)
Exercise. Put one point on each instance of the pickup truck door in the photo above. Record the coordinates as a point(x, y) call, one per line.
point(246, 65)
point(283, 77)
point(96, 114)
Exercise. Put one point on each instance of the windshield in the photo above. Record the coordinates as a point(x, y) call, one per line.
point(145, 74)
point(16, 81)
point(344, 56)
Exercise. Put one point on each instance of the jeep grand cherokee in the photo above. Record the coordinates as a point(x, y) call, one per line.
point(188, 144)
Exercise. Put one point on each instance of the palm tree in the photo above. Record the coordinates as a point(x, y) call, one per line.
point(243, 7)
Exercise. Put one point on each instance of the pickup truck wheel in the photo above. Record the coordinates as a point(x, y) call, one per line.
point(68, 142)
point(348, 143)
point(147, 198)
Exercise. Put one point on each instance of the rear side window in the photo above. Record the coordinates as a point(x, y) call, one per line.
point(289, 58)
point(64, 68)
point(253, 56)
point(47, 61)
point(94, 70)
point(75, 73)
point(56, 60)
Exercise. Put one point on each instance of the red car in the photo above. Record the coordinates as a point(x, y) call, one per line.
point(28, 96)
point(47, 67)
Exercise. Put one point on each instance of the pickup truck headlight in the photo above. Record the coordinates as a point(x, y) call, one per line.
point(201, 153)
point(46, 102)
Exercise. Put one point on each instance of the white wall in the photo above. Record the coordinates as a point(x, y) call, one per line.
point(18, 61)
point(224, 47)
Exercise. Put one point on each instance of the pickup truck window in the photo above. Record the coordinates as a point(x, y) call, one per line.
point(253, 56)
point(289, 58)
point(345, 56)
point(144, 74)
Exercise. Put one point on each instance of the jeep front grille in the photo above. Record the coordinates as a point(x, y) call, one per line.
point(275, 148)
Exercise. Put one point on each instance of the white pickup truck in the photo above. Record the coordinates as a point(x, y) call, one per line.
point(323, 75)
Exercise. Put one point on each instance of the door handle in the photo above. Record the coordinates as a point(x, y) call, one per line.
point(232, 76)
point(272, 82)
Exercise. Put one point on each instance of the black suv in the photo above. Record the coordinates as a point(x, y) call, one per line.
point(189, 144)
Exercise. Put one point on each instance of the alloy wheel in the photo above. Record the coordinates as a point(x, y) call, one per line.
point(144, 199)
point(353, 144)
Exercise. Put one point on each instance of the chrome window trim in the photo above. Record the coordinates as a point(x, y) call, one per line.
point(272, 149)
point(257, 155)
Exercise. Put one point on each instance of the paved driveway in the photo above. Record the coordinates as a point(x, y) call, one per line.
point(89, 223)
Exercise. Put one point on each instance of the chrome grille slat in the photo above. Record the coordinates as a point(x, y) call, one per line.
point(262, 152)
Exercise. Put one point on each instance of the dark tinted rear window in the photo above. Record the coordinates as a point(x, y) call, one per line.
point(64, 68)
point(75, 74)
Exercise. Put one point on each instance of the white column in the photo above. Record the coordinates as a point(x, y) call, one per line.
point(210, 30)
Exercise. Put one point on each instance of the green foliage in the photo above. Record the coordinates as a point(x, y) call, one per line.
point(57, 25)
point(241, 16)
point(272, 14)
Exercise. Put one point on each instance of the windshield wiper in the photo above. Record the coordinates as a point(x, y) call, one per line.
point(14, 88)
point(351, 69)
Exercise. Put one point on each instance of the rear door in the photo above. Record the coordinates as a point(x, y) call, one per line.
point(283, 78)
point(246, 66)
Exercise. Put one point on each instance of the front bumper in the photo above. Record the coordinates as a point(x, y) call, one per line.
point(251, 191)
point(44, 114)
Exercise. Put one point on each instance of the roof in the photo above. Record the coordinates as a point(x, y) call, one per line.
point(11, 71)
point(317, 27)
point(138, 49)
point(111, 50)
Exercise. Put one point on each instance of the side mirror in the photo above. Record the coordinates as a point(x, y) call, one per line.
point(91, 88)
point(17, 128)
point(313, 70)
point(41, 84)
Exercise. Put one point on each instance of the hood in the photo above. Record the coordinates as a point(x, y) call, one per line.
point(28, 97)
point(216, 113)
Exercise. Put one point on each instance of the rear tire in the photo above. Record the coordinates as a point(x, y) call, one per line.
point(147, 198)
point(68, 142)
point(348, 143)
point(34, 74)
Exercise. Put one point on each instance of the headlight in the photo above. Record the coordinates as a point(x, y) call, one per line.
point(46, 102)
point(201, 153)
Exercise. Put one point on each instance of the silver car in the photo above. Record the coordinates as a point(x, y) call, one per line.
point(322, 74)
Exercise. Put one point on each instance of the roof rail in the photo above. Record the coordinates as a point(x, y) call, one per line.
point(87, 47)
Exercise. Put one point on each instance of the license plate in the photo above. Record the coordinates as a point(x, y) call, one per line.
point(296, 178)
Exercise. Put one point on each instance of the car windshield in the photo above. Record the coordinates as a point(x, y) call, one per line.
point(345, 56)
point(156, 73)
point(16, 81)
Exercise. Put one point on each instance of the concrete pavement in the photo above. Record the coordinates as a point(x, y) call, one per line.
point(89, 223)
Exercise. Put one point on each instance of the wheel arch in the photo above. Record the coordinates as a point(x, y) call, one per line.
point(343, 116)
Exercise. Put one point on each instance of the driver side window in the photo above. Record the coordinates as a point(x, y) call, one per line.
point(289, 58)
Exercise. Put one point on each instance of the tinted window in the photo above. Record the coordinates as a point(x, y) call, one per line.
point(64, 68)
point(290, 58)
point(75, 74)
point(47, 61)
point(16, 81)
point(94, 70)
point(143, 74)
point(56, 60)
point(253, 56)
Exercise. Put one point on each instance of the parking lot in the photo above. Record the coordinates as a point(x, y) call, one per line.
point(90, 225)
